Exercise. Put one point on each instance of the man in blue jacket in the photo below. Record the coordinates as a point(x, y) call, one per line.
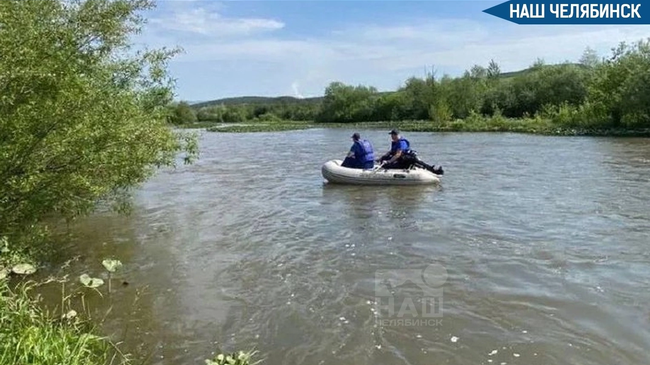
point(395, 157)
point(361, 155)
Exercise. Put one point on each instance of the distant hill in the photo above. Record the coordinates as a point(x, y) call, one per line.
point(506, 75)
point(253, 100)
point(256, 100)
point(259, 100)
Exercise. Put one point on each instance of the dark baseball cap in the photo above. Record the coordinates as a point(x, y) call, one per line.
point(356, 136)
point(394, 131)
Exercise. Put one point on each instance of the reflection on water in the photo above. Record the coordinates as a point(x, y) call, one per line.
point(544, 241)
point(363, 202)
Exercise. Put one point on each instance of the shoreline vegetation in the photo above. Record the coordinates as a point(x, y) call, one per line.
point(608, 96)
point(483, 125)
point(83, 121)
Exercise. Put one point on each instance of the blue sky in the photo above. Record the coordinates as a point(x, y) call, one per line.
point(273, 48)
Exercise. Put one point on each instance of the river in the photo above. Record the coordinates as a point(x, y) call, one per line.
point(533, 250)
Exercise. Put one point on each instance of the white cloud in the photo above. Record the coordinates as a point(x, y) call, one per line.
point(211, 23)
point(378, 55)
point(408, 47)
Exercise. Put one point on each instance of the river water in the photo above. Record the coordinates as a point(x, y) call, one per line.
point(533, 250)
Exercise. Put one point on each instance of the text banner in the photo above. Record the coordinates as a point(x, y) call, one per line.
point(572, 12)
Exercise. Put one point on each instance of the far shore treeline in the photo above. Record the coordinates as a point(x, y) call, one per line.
point(594, 94)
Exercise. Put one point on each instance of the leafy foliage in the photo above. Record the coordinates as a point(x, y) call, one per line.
point(80, 119)
point(343, 103)
point(182, 113)
point(594, 94)
point(621, 86)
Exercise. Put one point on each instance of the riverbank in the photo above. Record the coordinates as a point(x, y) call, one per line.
point(31, 335)
point(32, 332)
point(540, 126)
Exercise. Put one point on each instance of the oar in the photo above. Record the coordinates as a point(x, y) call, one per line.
point(374, 170)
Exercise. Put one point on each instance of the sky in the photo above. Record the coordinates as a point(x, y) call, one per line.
point(297, 48)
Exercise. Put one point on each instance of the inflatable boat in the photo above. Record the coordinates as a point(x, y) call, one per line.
point(333, 172)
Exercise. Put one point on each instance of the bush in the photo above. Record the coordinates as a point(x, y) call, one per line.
point(80, 121)
point(269, 117)
point(182, 113)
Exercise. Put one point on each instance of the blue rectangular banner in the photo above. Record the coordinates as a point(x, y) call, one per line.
point(572, 12)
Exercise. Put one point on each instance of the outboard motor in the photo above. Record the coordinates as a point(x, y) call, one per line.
point(412, 158)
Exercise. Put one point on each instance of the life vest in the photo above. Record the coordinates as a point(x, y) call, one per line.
point(408, 144)
point(366, 152)
point(395, 145)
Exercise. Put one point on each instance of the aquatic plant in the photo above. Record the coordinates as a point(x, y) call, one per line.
point(111, 266)
point(12, 262)
point(240, 358)
point(89, 282)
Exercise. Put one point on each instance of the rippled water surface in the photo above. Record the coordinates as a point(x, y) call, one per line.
point(537, 251)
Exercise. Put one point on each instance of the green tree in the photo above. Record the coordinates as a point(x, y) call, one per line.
point(501, 96)
point(420, 95)
point(478, 72)
point(392, 106)
point(467, 93)
point(182, 113)
point(345, 103)
point(493, 70)
point(528, 92)
point(538, 64)
point(234, 114)
point(211, 113)
point(81, 120)
point(621, 87)
point(589, 58)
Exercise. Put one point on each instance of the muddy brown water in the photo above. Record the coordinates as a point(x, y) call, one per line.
point(533, 250)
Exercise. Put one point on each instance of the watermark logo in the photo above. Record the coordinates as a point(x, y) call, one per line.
point(410, 297)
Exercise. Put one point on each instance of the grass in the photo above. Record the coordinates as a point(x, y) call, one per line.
point(31, 335)
point(203, 124)
point(261, 127)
